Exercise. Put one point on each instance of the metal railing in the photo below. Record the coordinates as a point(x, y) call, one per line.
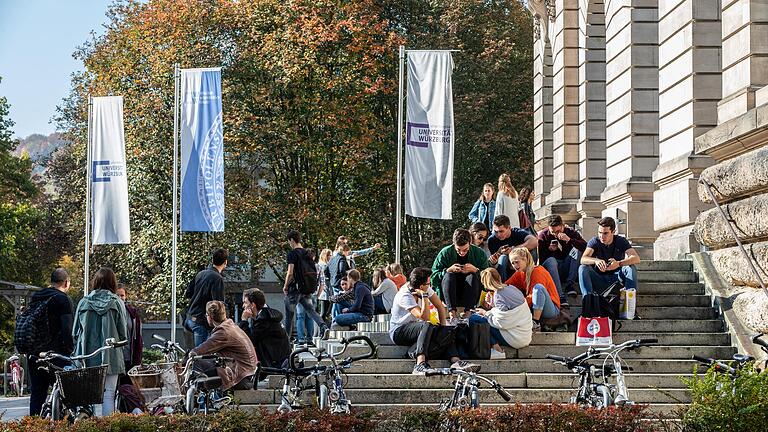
point(708, 188)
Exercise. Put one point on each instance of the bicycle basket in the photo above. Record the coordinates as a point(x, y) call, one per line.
point(145, 376)
point(81, 387)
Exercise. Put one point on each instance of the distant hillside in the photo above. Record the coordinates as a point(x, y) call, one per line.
point(39, 146)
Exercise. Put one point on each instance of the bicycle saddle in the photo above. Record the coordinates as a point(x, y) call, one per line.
point(208, 383)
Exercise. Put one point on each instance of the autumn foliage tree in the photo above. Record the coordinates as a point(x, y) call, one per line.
point(310, 113)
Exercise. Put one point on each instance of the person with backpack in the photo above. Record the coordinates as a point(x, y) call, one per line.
point(300, 283)
point(208, 285)
point(536, 284)
point(99, 316)
point(363, 306)
point(607, 259)
point(45, 326)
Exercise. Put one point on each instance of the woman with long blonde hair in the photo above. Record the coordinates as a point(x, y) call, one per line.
point(506, 200)
point(536, 284)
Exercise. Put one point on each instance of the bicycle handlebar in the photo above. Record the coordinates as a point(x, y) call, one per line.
point(757, 341)
point(108, 344)
point(712, 363)
point(503, 393)
point(647, 341)
point(372, 347)
point(558, 358)
point(292, 361)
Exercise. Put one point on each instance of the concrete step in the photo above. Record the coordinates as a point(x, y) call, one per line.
point(421, 396)
point(670, 266)
point(666, 276)
point(563, 338)
point(660, 300)
point(674, 288)
point(509, 381)
point(664, 312)
point(405, 366)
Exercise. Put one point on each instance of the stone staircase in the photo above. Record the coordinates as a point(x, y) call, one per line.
point(673, 307)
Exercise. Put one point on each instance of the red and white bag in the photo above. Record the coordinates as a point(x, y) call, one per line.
point(594, 332)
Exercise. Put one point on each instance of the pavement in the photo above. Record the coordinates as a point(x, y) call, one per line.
point(13, 408)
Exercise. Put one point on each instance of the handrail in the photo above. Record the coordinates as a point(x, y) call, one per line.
point(708, 188)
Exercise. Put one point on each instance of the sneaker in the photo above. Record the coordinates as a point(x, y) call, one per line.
point(564, 304)
point(536, 326)
point(570, 289)
point(498, 355)
point(452, 321)
point(421, 369)
point(325, 333)
point(466, 366)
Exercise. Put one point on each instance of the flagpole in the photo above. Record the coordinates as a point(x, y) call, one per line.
point(399, 155)
point(176, 76)
point(88, 163)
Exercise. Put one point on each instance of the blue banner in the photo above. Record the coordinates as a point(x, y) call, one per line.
point(202, 151)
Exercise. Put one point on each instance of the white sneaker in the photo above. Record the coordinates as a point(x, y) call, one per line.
point(452, 321)
point(466, 366)
point(498, 355)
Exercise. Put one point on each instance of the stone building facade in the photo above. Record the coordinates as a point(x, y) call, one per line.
point(635, 101)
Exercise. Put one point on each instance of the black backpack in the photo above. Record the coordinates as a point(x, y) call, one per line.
point(478, 342)
point(33, 331)
point(305, 273)
point(603, 303)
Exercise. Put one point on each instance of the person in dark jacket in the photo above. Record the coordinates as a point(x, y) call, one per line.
point(132, 352)
point(208, 285)
point(363, 307)
point(262, 325)
point(560, 250)
point(60, 324)
point(337, 270)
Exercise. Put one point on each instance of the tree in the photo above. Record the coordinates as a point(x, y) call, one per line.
point(310, 106)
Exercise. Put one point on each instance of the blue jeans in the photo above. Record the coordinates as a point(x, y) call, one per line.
point(543, 302)
point(337, 307)
point(504, 267)
point(305, 301)
point(201, 331)
point(496, 337)
point(590, 278)
point(349, 318)
point(305, 327)
point(564, 270)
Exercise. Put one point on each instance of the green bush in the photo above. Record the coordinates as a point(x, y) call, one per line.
point(721, 404)
point(522, 418)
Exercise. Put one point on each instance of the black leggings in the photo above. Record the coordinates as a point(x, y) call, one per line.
point(461, 290)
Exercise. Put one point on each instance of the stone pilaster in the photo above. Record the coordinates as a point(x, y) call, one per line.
point(689, 90)
point(565, 111)
point(632, 119)
point(542, 105)
point(591, 112)
point(745, 55)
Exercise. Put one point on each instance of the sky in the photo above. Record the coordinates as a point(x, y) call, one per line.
point(37, 39)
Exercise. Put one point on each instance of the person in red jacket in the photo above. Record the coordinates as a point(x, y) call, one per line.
point(536, 284)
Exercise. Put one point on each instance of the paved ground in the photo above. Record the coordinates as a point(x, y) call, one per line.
point(14, 407)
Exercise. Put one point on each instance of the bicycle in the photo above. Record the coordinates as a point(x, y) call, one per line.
point(742, 361)
point(201, 392)
point(172, 351)
point(592, 393)
point(16, 382)
point(326, 381)
point(465, 389)
point(77, 387)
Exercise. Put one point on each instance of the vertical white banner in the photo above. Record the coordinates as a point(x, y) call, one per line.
point(429, 135)
point(109, 182)
point(202, 151)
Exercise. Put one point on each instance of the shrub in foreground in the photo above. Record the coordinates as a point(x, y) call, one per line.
point(522, 418)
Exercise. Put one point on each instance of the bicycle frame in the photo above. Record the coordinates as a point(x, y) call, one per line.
point(465, 389)
point(196, 395)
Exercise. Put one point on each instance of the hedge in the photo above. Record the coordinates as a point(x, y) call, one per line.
point(522, 418)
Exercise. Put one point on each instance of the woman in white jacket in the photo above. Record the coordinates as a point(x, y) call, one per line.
point(509, 315)
point(506, 201)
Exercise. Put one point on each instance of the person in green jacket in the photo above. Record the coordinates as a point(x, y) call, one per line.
point(101, 315)
point(456, 274)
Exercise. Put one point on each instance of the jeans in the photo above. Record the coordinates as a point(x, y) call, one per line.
point(590, 279)
point(200, 330)
point(349, 318)
point(564, 270)
point(305, 327)
point(504, 267)
point(290, 302)
point(496, 337)
point(337, 307)
point(543, 302)
point(461, 290)
point(108, 402)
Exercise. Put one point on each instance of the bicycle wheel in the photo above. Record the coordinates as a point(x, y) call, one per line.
point(322, 396)
point(57, 408)
point(190, 401)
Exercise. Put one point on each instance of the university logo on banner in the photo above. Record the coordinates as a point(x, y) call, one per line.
point(594, 331)
point(202, 151)
point(429, 135)
point(110, 220)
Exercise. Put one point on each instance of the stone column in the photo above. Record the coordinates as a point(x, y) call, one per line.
point(745, 55)
point(542, 110)
point(689, 90)
point(591, 113)
point(565, 112)
point(632, 121)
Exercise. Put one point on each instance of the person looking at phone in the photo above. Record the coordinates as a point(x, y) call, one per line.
point(608, 258)
point(560, 250)
point(409, 324)
point(503, 240)
point(456, 274)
